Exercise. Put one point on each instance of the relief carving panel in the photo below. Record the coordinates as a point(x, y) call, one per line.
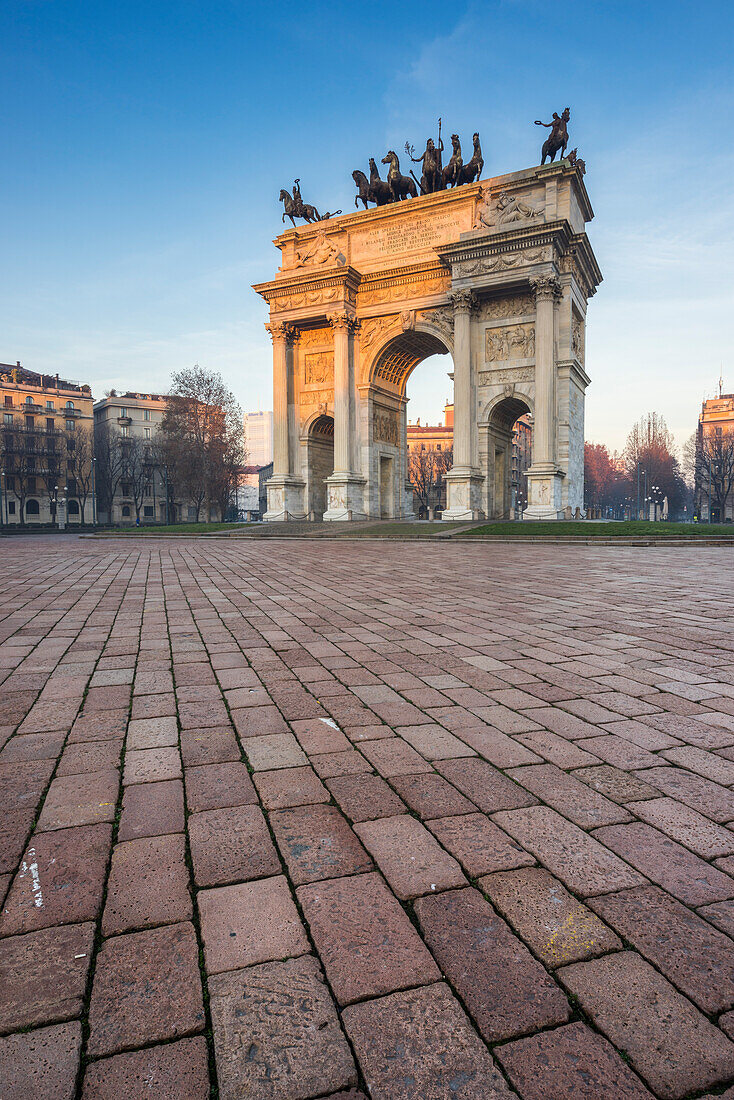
point(318, 367)
point(385, 426)
point(512, 342)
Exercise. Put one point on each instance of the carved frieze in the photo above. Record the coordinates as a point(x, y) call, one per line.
point(315, 337)
point(316, 397)
point(318, 367)
point(497, 309)
point(511, 342)
point(484, 265)
point(297, 299)
point(505, 376)
point(415, 288)
point(442, 318)
point(374, 328)
point(577, 337)
point(385, 426)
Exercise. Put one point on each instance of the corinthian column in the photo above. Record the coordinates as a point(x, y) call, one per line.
point(342, 326)
point(547, 292)
point(462, 300)
point(280, 334)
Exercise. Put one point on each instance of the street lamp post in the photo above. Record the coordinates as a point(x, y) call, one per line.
point(94, 492)
point(3, 506)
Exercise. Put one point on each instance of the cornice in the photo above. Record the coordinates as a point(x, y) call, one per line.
point(303, 283)
point(539, 235)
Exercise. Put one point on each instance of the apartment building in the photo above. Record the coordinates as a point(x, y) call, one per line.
point(46, 449)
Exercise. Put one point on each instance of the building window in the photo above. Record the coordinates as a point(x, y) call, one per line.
point(49, 423)
point(192, 512)
point(125, 489)
point(32, 508)
point(29, 422)
point(31, 485)
point(148, 490)
point(8, 401)
point(148, 511)
point(8, 419)
point(49, 405)
point(11, 507)
point(73, 507)
point(70, 425)
point(438, 446)
point(126, 511)
point(123, 412)
point(29, 400)
point(146, 414)
point(125, 430)
point(69, 404)
point(147, 432)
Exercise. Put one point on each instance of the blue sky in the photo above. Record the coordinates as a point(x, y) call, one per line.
point(145, 145)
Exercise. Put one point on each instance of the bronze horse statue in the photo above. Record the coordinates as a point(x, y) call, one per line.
point(472, 169)
point(401, 187)
point(557, 139)
point(293, 209)
point(371, 190)
point(451, 174)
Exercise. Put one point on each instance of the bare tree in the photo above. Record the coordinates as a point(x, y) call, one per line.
point(427, 473)
point(108, 455)
point(136, 469)
point(79, 448)
point(714, 469)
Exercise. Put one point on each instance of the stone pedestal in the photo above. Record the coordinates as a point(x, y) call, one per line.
point(346, 498)
point(286, 499)
point(464, 488)
point(545, 492)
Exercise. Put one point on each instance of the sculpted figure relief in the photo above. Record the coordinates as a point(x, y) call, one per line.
point(322, 251)
point(507, 209)
point(514, 342)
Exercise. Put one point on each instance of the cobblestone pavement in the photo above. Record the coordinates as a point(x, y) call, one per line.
point(300, 820)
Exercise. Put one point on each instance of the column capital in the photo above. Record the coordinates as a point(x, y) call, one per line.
point(281, 330)
point(463, 301)
point(547, 288)
point(342, 322)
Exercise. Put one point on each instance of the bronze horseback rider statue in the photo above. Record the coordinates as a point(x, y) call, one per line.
point(557, 138)
point(432, 177)
point(294, 207)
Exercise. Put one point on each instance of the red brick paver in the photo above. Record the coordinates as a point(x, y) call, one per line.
point(324, 819)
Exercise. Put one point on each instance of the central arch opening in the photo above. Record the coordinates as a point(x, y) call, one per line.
point(413, 451)
point(320, 444)
point(509, 446)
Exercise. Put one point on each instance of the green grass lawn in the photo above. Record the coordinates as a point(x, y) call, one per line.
point(175, 529)
point(591, 529)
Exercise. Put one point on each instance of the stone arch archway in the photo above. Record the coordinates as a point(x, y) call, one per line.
point(504, 294)
point(319, 439)
point(499, 453)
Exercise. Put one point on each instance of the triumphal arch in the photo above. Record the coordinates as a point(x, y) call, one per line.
point(496, 274)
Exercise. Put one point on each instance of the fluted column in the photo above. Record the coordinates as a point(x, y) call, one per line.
point(463, 301)
point(280, 333)
point(342, 326)
point(547, 292)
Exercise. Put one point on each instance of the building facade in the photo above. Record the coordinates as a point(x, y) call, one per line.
point(714, 478)
point(133, 416)
point(46, 449)
point(521, 458)
point(259, 438)
point(430, 457)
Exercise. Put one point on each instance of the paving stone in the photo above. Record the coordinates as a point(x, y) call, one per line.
point(392, 756)
point(641, 734)
point(419, 1045)
point(487, 787)
point(710, 799)
point(22, 784)
point(280, 750)
point(430, 795)
point(152, 733)
point(214, 745)
point(318, 735)
point(408, 856)
point(152, 809)
point(618, 785)
point(334, 764)
point(151, 765)
point(104, 725)
point(217, 786)
point(506, 990)
point(365, 797)
point(569, 726)
point(259, 721)
point(433, 742)
point(687, 826)
point(60, 880)
point(43, 975)
point(287, 787)
point(695, 957)
point(479, 845)
point(231, 845)
point(42, 1064)
point(89, 756)
point(704, 763)
point(148, 884)
point(680, 872)
point(80, 800)
point(277, 1034)
point(569, 1063)
point(584, 864)
point(176, 1071)
point(211, 712)
point(252, 922)
point(364, 938)
point(557, 927)
point(497, 747)
point(33, 746)
point(569, 796)
point(14, 829)
point(643, 1015)
point(316, 843)
point(721, 913)
point(557, 750)
point(620, 753)
point(146, 989)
